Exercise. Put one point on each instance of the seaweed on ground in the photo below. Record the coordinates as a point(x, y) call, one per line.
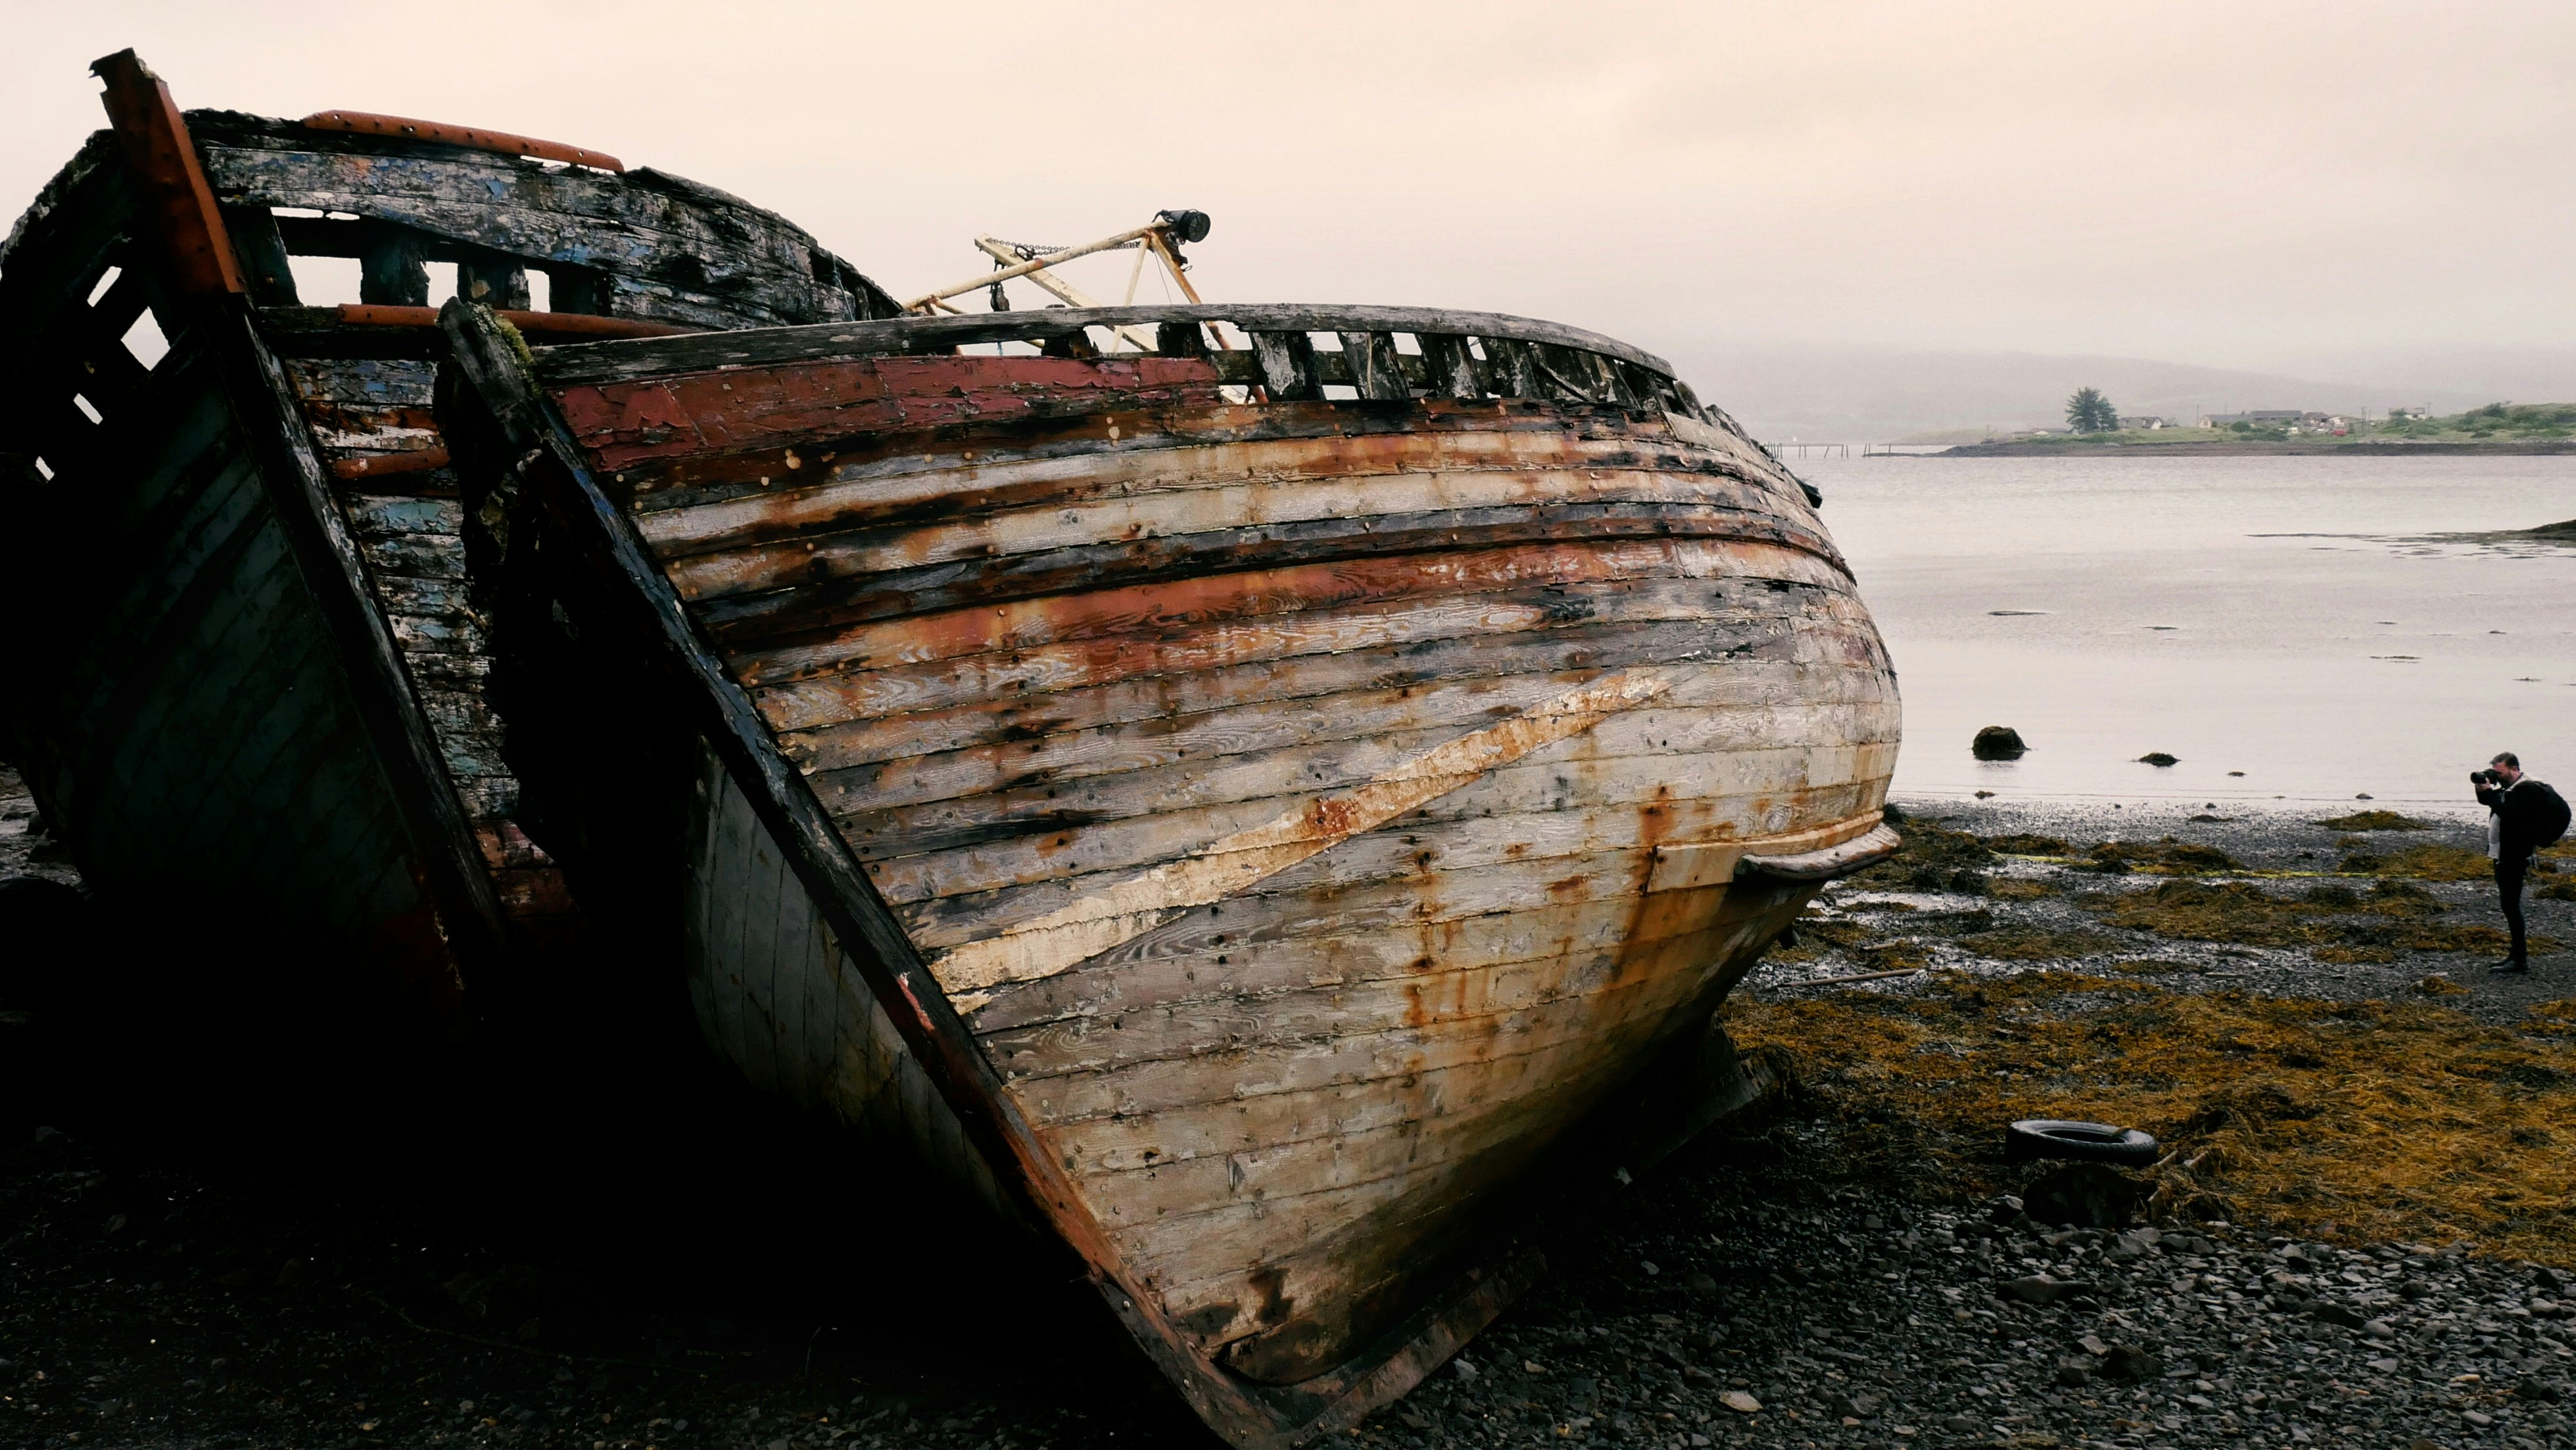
point(2039, 944)
point(2025, 843)
point(2375, 821)
point(2165, 856)
point(2368, 1121)
point(1933, 858)
point(2428, 862)
point(2341, 924)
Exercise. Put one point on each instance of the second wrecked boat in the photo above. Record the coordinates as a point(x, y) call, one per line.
point(1235, 809)
point(239, 670)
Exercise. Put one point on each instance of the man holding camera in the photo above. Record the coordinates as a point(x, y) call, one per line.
point(2526, 815)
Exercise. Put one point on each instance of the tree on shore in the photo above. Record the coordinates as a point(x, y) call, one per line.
point(2089, 412)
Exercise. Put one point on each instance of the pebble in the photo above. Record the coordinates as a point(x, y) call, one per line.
point(1782, 1319)
point(1942, 1327)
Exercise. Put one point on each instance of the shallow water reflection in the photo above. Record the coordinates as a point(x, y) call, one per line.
point(2329, 627)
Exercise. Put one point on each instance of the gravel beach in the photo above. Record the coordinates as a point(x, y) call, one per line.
point(209, 1271)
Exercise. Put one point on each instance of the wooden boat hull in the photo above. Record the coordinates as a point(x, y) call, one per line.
point(1237, 829)
point(251, 698)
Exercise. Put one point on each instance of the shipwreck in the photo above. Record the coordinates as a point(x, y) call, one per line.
point(1242, 793)
point(1235, 809)
point(253, 698)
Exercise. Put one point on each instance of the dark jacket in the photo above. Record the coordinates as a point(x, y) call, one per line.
point(2534, 815)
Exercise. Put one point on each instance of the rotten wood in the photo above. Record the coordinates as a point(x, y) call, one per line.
point(1449, 367)
point(261, 252)
point(1374, 366)
point(393, 266)
point(497, 282)
point(1288, 369)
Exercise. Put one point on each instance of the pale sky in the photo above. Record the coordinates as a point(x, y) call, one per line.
point(2230, 183)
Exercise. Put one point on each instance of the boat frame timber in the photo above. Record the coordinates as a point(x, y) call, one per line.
point(520, 443)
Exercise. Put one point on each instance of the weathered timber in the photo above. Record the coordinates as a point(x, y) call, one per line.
point(1284, 817)
point(393, 265)
point(262, 250)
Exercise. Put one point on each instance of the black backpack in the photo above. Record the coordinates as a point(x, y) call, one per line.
point(2548, 818)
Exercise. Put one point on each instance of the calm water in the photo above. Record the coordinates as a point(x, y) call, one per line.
point(2301, 620)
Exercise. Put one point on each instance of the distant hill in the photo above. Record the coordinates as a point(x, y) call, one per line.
point(1858, 395)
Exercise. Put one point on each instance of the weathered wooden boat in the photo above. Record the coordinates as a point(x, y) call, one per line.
point(241, 674)
point(1238, 808)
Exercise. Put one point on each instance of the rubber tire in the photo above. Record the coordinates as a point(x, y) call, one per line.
point(2084, 1142)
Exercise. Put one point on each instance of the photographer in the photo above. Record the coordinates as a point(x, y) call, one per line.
point(2527, 815)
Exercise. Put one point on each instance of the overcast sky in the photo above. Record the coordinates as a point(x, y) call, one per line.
point(2236, 183)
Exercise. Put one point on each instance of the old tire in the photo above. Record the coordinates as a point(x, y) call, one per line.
point(2084, 1142)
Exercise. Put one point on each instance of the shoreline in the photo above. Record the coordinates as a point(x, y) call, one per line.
point(2225, 450)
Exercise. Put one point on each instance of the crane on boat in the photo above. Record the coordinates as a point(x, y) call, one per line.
point(1160, 239)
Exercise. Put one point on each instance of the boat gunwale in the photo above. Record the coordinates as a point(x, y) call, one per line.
point(576, 364)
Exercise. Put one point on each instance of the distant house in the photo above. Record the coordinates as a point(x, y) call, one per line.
point(2270, 418)
point(2129, 423)
point(2408, 415)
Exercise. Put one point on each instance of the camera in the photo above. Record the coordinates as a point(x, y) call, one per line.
point(2485, 777)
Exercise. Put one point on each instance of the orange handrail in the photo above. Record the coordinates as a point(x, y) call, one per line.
point(473, 138)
